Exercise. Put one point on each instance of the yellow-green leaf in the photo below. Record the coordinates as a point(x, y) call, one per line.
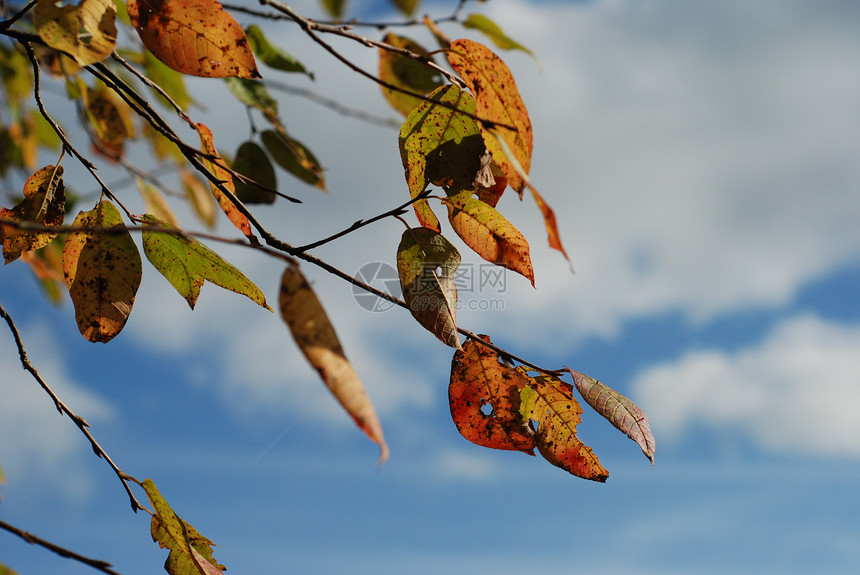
point(198, 38)
point(406, 6)
point(334, 8)
point(491, 236)
point(103, 271)
point(86, 31)
point(426, 263)
point(294, 157)
point(494, 33)
point(155, 202)
point(197, 194)
point(186, 263)
point(44, 203)
point(253, 93)
point(190, 552)
point(272, 55)
point(405, 73)
point(439, 144)
point(313, 332)
point(498, 100)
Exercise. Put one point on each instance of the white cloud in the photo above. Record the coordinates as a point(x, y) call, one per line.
point(37, 444)
point(795, 392)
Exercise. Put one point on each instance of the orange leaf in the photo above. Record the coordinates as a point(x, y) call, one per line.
point(550, 404)
point(308, 322)
point(484, 398)
point(44, 203)
point(227, 203)
point(491, 236)
point(196, 37)
point(498, 100)
point(102, 271)
point(625, 415)
point(549, 222)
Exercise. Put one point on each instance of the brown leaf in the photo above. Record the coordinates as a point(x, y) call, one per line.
point(498, 100)
point(625, 415)
point(314, 334)
point(196, 37)
point(484, 398)
point(44, 203)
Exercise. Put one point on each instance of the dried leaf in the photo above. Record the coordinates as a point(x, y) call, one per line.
point(405, 73)
point(186, 263)
point(625, 415)
point(110, 119)
point(548, 404)
point(190, 552)
point(484, 396)
point(44, 203)
point(294, 157)
point(440, 144)
point(47, 265)
point(314, 334)
point(498, 100)
point(426, 263)
point(196, 37)
point(491, 236)
point(103, 271)
point(227, 204)
point(86, 31)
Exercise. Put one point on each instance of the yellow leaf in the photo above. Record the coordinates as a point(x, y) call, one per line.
point(498, 100)
point(102, 272)
point(198, 196)
point(308, 322)
point(239, 219)
point(155, 202)
point(491, 236)
point(196, 37)
point(86, 31)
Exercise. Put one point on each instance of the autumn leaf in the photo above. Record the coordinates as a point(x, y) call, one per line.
point(47, 266)
point(294, 157)
point(44, 203)
point(86, 31)
point(484, 397)
point(497, 100)
point(426, 263)
point(228, 206)
point(406, 73)
point(186, 263)
point(491, 236)
point(155, 202)
point(625, 415)
point(103, 271)
point(440, 144)
point(110, 119)
point(252, 162)
point(190, 552)
point(494, 33)
point(196, 37)
point(309, 324)
point(549, 222)
point(272, 55)
point(171, 81)
point(198, 195)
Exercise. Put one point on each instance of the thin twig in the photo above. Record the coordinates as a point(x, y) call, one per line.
point(98, 564)
point(62, 408)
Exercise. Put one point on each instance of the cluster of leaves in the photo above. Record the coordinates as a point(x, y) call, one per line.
point(466, 132)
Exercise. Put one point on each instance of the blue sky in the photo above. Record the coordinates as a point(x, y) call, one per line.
point(702, 160)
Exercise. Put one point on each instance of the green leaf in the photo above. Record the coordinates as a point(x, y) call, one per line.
point(334, 8)
point(426, 263)
point(405, 73)
point(491, 236)
point(253, 93)
point(190, 552)
point(272, 55)
point(102, 272)
point(186, 263)
point(439, 144)
point(494, 33)
point(294, 157)
point(406, 6)
point(252, 162)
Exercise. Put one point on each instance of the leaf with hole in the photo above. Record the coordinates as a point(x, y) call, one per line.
point(195, 37)
point(426, 263)
point(313, 332)
point(187, 263)
point(44, 203)
point(497, 100)
point(102, 269)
